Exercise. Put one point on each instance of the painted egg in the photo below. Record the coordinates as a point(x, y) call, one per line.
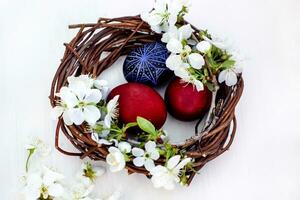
point(139, 100)
point(184, 102)
point(147, 64)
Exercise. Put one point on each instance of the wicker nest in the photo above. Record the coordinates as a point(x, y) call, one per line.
point(116, 37)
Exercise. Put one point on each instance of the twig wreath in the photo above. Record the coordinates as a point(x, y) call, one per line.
point(90, 121)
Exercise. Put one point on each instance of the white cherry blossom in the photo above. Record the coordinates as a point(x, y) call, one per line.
point(182, 33)
point(85, 108)
point(43, 183)
point(167, 176)
point(146, 158)
point(188, 78)
point(229, 76)
point(78, 101)
point(89, 173)
point(164, 14)
point(115, 159)
point(39, 146)
point(112, 111)
point(79, 191)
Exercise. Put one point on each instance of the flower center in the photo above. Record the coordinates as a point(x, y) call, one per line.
point(44, 192)
point(147, 155)
point(114, 161)
point(81, 104)
point(184, 55)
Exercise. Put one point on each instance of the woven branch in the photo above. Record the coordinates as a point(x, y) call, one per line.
point(116, 37)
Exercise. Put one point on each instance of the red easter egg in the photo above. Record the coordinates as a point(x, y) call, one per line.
point(139, 100)
point(184, 102)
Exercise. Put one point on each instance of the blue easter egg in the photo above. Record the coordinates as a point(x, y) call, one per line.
point(147, 64)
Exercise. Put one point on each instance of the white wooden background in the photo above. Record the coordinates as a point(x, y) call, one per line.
point(264, 161)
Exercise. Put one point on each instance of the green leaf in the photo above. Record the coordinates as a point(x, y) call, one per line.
point(227, 64)
point(211, 62)
point(210, 86)
point(129, 125)
point(146, 125)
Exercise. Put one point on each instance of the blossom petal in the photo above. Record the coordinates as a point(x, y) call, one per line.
point(169, 185)
point(150, 146)
point(118, 167)
point(100, 84)
point(157, 183)
point(95, 137)
point(238, 70)
point(175, 7)
point(105, 142)
point(158, 170)
point(115, 196)
point(79, 88)
point(161, 6)
point(196, 60)
point(91, 114)
point(56, 190)
point(154, 155)
point(112, 104)
point(115, 159)
point(139, 161)
point(67, 119)
point(93, 96)
point(199, 85)
point(160, 176)
point(51, 176)
point(231, 78)
point(203, 46)
point(149, 164)
point(157, 28)
point(154, 19)
point(172, 19)
point(113, 150)
point(76, 116)
point(125, 147)
point(137, 152)
point(173, 62)
point(84, 78)
point(34, 179)
point(182, 73)
point(68, 97)
point(56, 112)
point(174, 46)
point(171, 33)
point(181, 165)
point(173, 161)
point(185, 31)
point(31, 192)
point(99, 171)
point(222, 76)
point(107, 121)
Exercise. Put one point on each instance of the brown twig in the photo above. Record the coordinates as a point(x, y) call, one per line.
point(118, 36)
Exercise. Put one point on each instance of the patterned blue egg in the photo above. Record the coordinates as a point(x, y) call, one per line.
point(147, 64)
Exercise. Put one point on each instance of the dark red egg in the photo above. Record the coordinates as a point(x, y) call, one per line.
point(139, 100)
point(184, 102)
